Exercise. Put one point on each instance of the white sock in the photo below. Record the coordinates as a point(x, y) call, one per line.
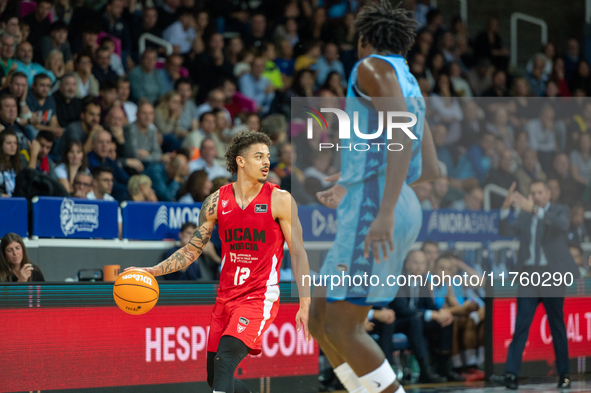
point(400, 390)
point(349, 379)
point(379, 379)
point(456, 361)
point(481, 359)
point(471, 359)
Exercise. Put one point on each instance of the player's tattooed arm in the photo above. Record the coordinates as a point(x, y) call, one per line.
point(192, 250)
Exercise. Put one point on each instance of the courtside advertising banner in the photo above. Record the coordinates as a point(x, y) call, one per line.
point(157, 221)
point(14, 216)
point(84, 347)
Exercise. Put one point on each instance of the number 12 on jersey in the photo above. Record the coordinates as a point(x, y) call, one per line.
point(240, 278)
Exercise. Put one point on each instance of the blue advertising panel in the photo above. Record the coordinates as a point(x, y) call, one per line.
point(156, 221)
point(15, 216)
point(319, 223)
point(74, 218)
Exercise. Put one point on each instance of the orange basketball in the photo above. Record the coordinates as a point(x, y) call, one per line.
point(136, 292)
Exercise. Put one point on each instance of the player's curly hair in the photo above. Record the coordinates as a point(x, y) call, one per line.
point(240, 143)
point(386, 28)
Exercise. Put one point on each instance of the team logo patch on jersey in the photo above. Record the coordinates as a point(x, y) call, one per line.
point(260, 208)
point(244, 320)
point(240, 328)
point(225, 202)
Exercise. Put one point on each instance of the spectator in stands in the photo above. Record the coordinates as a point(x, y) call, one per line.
point(478, 160)
point(210, 66)
point(24, 31)
point(10, 24)
point(529, 171)
point(435, 200)
point(102, 70)
point(418, 316)
point(458, 83)
point(558, 76)
point(580, 160)
point(501, 127)
point(258, 33)
point(84, 129)
point(333, 85)
point(577, 233)
point(570, 189)
point(168, 179)
point(55, 65)
point(140, 189)
point(167, 120)
point(39, 154)
point(272, 72)
point(114, 24)
point(236, 102)
point(114, 123)
point(42, 105)
point(317, 173)
point(189, 119)
point(6, 53)
point(472, 125)
point(68, 106)
point(102, 188)
point(546, 136)
point(537, 77)
point(431, 250)
point(116, 63)
point(436, 64)
point(8, 119)
point(197, 188)
point(489, 45)
point(499, 85)
point(582, 78)
point(207, 126)
point(501, 177)
point(577, 253)
point(107, 98)
point(444, 155)
point(141, 137)
point(98, 157)
point(73, 162)
point(123, 91)
point(18, 87)
point(207, 162)
point(38, 21)
point(87, 83)
point(57, 39)
point(181, 33)
point(480, 77)
point(24, 63)
point(11, 162)
point(328, 63)
point(145, 80)
point(255, 86)
point(147, 23)
point(170, 73)
point(167, 13)
point(555, 192)
point(472, 201)
point(82, 184)
point(215, 100)
point(15, 265)
point(571, 58)
point(446, 109)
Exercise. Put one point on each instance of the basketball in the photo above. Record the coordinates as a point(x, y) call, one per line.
point(136, 292)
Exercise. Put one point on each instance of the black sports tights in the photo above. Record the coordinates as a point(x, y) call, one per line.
point(222, 365)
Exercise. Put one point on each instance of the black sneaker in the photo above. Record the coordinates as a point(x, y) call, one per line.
point(431, 377)
point(511, 381)
point(564, 382)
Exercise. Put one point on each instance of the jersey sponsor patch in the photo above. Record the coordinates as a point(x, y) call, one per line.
point(243, 320)
point(240, 328)
point(260, 208)
point(225, 202)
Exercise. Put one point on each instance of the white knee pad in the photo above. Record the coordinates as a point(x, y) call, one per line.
point(349, 379)
point(379, 379)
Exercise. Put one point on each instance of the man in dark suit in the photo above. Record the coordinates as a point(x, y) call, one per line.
point(417, 315)
point(543, 228)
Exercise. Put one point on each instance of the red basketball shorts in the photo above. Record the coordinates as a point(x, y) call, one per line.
point(245, 318)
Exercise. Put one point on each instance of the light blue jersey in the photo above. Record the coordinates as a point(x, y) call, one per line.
point(363, 174)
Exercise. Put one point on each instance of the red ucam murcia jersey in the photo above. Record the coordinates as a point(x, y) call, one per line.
point(252, 245)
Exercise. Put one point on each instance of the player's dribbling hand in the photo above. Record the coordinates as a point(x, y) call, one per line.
point(150, 270)
point(381, 232)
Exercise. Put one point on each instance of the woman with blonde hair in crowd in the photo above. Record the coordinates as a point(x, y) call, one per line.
point(167, 117)
point(72, 162)
point(15, 265)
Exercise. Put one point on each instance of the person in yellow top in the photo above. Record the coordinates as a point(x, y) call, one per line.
point(309, 59)
point(272, 71)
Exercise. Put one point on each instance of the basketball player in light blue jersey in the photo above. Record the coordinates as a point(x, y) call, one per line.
point(379, 215)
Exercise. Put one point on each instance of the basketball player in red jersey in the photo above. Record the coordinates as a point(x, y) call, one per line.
point(255, 218)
